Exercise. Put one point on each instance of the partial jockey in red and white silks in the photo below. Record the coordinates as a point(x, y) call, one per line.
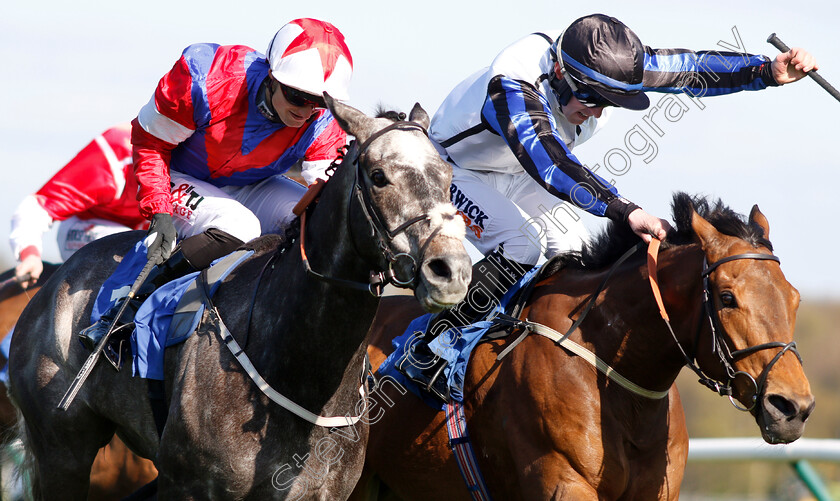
point(94, 195)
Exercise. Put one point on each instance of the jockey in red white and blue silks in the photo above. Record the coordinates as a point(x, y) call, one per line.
point(93, 195)
point(509, 129)
point(209, 147)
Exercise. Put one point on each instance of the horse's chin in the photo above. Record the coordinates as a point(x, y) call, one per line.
point(773, 437)
point(429, 302)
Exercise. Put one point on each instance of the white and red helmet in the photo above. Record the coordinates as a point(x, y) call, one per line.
point(311, 56)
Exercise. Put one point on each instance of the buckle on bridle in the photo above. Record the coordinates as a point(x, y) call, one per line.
point(377, 283)
point(717, 387)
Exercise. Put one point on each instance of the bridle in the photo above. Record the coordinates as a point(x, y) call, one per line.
point(726, 356)
point(384, 236)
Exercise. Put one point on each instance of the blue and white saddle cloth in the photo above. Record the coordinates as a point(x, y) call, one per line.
point(169, 315)
point(455, 346)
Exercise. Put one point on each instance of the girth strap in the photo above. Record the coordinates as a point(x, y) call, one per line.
point(459, 442)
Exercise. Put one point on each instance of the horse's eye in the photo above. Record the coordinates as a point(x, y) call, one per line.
point(727, 299)
point(379, 179)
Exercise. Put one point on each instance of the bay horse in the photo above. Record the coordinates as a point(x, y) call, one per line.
point(300, 317)
point(545, 424)
point(116, 471)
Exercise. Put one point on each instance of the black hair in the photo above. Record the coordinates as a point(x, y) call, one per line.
point(615, 239)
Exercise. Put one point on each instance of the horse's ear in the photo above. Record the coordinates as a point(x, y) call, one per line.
point(351, 120)
point(705, 232)
point(757, 218)
point(419, 115)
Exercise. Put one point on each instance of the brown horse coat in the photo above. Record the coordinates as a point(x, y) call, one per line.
point(545, 424)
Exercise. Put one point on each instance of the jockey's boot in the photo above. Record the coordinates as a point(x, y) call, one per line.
point(192, 254)
point(175, 267)
point(492, 276)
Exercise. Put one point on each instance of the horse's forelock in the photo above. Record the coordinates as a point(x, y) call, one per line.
point(392, 115)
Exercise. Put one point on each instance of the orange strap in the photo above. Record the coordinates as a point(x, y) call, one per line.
point(308, 197)
point(653, 253)
point(302, 233)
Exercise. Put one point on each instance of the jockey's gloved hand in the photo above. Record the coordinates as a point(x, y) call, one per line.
point(160, 240)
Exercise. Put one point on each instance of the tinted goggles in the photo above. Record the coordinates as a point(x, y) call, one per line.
point(584, 93)
point(588, 97)
point(299, 98)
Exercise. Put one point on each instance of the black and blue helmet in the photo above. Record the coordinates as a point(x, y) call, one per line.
point(601, 53)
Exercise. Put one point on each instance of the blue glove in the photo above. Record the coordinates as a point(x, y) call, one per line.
point(160, 240)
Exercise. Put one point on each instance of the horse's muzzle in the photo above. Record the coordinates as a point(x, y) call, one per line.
point(443, 280)
point(782, 419)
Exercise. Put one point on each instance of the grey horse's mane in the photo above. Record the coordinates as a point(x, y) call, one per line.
point(392, 115)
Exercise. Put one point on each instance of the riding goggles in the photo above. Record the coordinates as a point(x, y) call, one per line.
point(586, 94)
point(299, 98)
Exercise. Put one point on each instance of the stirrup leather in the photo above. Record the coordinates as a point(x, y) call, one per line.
point(118, 347)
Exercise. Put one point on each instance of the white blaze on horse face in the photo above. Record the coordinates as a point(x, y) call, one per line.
point(451, 225)
point(415, 149)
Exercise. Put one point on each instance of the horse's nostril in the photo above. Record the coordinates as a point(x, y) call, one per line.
point(807, 412)
point(784, 406)
point(440, 268)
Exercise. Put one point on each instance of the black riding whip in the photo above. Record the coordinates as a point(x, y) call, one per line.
point(774, 40)
point(90, 363)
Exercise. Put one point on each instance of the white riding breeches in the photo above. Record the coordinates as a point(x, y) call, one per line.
point(244, 212)
point(74, 233)
point(514, 210)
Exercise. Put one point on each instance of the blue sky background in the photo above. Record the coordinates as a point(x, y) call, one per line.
point(72, 69)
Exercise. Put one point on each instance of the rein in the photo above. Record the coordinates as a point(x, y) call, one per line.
point(564, 341)
point(528, 326)
point(727, 357)
point(378, 279)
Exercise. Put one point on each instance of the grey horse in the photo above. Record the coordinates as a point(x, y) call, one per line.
point(385, 208)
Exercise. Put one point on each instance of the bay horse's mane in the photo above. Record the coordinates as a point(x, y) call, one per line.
point(615, 239)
